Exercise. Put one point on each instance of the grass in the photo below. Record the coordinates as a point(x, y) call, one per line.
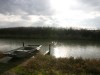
point(48, 65)
point(13, 63)
point(49, 33)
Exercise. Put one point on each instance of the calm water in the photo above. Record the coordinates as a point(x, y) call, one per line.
point(74, 49)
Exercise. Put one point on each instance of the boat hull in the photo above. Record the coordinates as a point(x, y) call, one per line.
point(23, 51)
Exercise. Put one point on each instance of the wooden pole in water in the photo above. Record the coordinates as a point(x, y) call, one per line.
point(23, 44)
point(49, 48)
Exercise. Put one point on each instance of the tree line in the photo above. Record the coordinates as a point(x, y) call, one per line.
point(49, 33)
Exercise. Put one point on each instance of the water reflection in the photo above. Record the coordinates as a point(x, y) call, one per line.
point(60, 52)
point(76, 51)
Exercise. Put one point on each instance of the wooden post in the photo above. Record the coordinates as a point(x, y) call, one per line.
point(49, 49)
point(23, 44)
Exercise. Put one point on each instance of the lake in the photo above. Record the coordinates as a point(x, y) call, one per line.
point(68, 48)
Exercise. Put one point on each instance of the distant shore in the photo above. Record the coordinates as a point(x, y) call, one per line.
point(49, 33)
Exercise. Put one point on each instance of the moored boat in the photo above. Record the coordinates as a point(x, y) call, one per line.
point(23, 51)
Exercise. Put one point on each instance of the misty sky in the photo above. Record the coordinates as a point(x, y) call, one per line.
point(52, 13)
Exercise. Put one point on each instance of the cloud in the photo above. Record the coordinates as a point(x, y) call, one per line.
point(93, 23)
point(15, 13)
point(79, 13)
point(33, 7)
point(90, 5)
point(14, 24)
point(92, 8)
point(26, 21)
point(10, 18)
point(46, 21)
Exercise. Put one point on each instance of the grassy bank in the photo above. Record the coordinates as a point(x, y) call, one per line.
point(48, 65)
point(49, 33)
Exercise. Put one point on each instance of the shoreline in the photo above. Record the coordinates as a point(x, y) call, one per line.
point(57, 66)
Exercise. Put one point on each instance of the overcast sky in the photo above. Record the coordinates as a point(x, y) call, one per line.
point(52, 13)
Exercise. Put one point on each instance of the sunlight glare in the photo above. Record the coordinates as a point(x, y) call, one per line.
point(62, 6)
point(64, 13)
point(67, 14)
point(60, 52)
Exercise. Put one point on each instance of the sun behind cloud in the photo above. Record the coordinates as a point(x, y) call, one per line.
point(68, 14)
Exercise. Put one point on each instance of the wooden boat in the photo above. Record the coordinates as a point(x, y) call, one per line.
point(23, 51)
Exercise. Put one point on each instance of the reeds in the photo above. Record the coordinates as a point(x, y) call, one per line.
point(48, 65)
